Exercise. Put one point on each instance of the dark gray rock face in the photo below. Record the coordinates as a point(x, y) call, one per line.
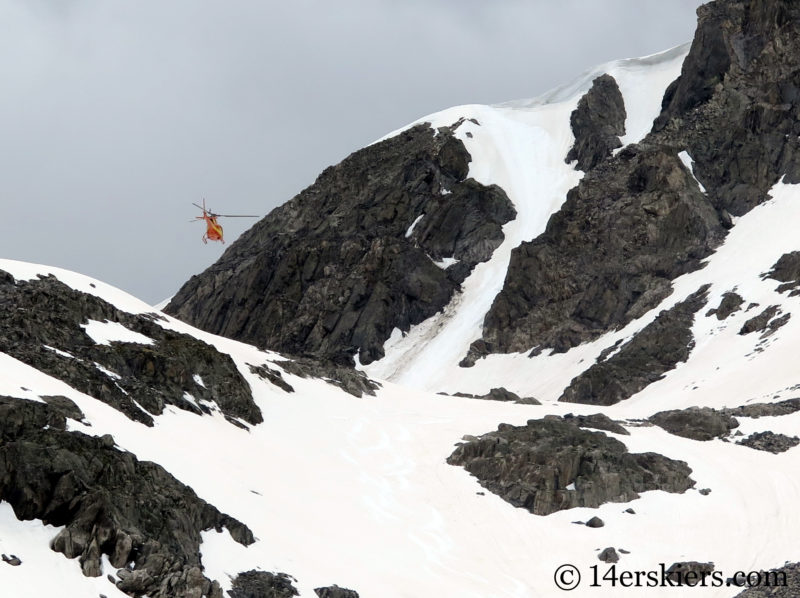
point(335, 270)
point(633, 224)
point(351, 381)
point(596, 421)
point(697, 423)
point(776, 323)
point(535, 467)
point(38, 314)
point(770, 442)
point(265, 372)
point(597, 123)
point(736, 101)
point(638, 219)
point(109, 503)
point(763, 321)
point(261, 584)
point(731, 302)
point(787, 271)
point(335, 592)
point(783, 582)
point(655, 350)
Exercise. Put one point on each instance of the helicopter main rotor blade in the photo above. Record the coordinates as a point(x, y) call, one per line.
point(235, 216)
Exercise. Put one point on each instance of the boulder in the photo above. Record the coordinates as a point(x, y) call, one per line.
point(609, 555)
point(697, 423)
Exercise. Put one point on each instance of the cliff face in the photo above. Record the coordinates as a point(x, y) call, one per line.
point(640, 219)
point(381, 240)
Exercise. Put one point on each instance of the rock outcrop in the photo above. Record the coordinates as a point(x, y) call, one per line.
point(756, 410)
point(380, 241)
point(766, 322)
point(262, 584)
point(638, 219)
point(42, 324)
point(335, 592)
point(783, 582)
point(108, 503)
point(730, 303)
point(597, 123)
point(351, 381)
point(634, 223)
point(596, 421)
point(500, 394)
point(551, 464)
point(770, 442)
point(787, 271)
point(697, 423)
point(652, 352)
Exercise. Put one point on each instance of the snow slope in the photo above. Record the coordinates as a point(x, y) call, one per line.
point(357, 492)
point(519, 146)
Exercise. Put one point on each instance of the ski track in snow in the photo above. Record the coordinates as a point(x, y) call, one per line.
point(357, 492)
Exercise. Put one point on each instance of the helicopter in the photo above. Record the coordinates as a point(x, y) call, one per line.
point(214, 228)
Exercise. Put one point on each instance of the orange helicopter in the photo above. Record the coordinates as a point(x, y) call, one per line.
point(214, 228)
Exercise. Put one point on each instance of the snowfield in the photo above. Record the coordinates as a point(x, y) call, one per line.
point(356, 491)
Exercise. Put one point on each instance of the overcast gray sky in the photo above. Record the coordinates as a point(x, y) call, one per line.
point(116, 115)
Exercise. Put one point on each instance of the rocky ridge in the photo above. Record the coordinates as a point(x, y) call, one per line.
point(380, 241)
point(42, 324)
